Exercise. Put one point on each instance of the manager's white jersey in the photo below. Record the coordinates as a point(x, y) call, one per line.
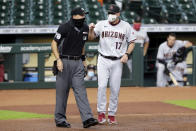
point(113, 40)
point(166, 53)
point(141, 37)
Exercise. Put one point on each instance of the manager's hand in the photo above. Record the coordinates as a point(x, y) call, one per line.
point(91, 26)
point(124, 58)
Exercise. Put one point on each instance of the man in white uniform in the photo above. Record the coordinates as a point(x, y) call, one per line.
point(114, 35)
point(165, 58)
point(179, 72)
point(141, 38)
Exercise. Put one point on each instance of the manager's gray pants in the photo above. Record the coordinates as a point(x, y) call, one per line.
point(72, 75)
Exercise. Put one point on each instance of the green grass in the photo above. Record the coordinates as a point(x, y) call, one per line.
point(10, 115)
point(185, 103)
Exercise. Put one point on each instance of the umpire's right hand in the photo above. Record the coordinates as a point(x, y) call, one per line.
point(60, 65)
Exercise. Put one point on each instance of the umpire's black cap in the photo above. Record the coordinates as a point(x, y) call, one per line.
point(90, 66)
point(78, 11)
point(113, 9)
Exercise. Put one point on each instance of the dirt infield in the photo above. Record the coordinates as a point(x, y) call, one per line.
point(140, 109)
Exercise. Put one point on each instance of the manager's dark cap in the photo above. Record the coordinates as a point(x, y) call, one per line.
point(78, 11)
point(113, 9)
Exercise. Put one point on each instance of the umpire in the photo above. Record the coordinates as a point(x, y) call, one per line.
point(72, 36)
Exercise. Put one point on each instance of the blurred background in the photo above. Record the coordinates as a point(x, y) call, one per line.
point(27, 28)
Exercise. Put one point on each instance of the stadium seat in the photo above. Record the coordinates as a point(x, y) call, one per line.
point(191, 17)
point(164, 14)
point(35, 12)
point(39, 17)
point(58, 21)
point(21, 1)
point(58, 7)
point(76, 3)
point(184, 18)
point(185, 1)
point(5, 12)
point(95, 16)
point(57, 1)
point(39, 22)
point(174, 17)
point(135, 6)
point(40, 12)
point(168, 2)
point(95, 11)
point(149, 20)
point(4, 22)
point(171, 11)
point(131, 14)
point(21, 14)
point(91, 1)
point(153, 7)
point(130, 21)
point(187, 8)
point(58, 12)
point(58, 17)
point(3, 7)
point(94, 7)
point(21, 22)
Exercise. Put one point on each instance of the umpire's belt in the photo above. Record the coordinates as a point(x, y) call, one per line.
point(68, 57)
point(110, 57)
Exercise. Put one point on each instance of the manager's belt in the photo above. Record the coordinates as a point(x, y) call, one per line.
point(110, 57)
point(68, 57)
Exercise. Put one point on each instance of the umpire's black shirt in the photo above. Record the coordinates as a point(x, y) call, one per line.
point(73, 38)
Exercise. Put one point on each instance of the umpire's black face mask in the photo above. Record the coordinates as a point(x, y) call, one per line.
point(78, 22)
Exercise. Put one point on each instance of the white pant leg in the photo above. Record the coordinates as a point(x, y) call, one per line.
point(115, 80)
point(161, 76)
point(103, 76)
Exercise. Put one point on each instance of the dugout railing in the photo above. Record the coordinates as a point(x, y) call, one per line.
point(194, 67)
point(15, 66)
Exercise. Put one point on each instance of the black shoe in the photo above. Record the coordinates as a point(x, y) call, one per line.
point(90, 122)
point(64, 124)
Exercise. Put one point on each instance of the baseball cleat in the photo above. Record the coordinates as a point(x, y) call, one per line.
point(112, 120)
point(101, 118)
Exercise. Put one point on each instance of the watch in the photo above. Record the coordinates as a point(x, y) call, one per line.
point(127, 54)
